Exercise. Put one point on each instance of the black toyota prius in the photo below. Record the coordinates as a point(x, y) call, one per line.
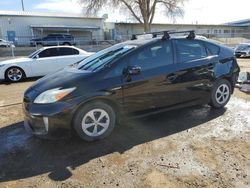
point(138, 77)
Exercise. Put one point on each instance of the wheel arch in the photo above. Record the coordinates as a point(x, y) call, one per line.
point(232, 79)
point(117, 108)
point(14, 66)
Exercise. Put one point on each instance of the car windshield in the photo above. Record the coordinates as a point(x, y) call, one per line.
point(103, 58)
point(243, 47)
point(34, 53)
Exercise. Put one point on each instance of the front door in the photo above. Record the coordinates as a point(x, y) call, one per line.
point(46, 62)
point(154, 87)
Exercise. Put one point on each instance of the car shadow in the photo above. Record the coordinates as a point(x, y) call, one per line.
point(24, 156)
point(23, 81)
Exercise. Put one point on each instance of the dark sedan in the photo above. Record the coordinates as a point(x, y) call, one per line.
point(134, 78)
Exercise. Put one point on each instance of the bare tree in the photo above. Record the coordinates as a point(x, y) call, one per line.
point(142, 10)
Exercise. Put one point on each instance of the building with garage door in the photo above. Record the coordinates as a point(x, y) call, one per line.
point(20, 27)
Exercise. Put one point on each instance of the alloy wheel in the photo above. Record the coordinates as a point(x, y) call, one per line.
point(222, 94)
point(14, 74)
point(95, 122)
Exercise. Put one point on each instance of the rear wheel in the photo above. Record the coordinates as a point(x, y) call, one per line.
point(14, 74)
point(94, 121)
point(221, 93)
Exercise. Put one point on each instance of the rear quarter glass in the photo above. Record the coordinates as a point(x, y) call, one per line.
point(213, 49)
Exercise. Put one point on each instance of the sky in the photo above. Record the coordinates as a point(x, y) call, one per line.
point(196, 11)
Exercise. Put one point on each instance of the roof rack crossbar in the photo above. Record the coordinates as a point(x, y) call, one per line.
point(166, 34)
point(154, 34)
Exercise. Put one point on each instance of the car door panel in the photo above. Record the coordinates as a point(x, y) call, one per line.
point(152, 89)
point(43, 66)
point(195, 71)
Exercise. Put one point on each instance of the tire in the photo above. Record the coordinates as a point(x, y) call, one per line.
point(14, 74)
point(89, 129)
point(221, 93)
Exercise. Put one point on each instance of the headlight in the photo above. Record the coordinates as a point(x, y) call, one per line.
point(53, 95)
point(2, 65)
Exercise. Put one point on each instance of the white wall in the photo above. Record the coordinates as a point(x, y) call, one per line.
point(21, 25)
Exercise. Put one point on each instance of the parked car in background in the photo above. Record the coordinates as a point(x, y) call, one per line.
point(54, 40)
point(5, 43)
point(242, 50)
point(43, 61)
point(134, 78)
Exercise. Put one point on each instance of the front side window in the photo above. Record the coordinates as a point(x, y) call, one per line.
point(189, 50)
point(153, 56)
point(51, 52)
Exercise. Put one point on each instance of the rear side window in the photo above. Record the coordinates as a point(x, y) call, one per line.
point(212, 49)
point(68, 51)
point(189, 50)
point(155, 55)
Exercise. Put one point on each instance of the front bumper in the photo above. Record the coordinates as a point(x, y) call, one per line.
point(2, 72)
point(243, 54)
point(48, 119)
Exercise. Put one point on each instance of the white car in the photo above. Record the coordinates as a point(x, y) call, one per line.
point(43, 61)
point(5, 43)
point(242, 50)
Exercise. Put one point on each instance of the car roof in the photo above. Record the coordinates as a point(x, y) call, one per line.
point(49, 47)
point(73, 47)
point(60, 34)
point(143, 41)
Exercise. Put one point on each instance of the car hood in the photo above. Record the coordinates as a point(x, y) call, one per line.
point(65, 78)
point(14, 61)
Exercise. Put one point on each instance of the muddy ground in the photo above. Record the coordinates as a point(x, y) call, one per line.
point(192, 147)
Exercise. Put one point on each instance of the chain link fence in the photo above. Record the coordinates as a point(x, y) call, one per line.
point(24, 46)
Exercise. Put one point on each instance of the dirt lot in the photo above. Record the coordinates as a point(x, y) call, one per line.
point(193, 147)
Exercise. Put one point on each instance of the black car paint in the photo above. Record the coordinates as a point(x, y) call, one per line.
point(165, 88)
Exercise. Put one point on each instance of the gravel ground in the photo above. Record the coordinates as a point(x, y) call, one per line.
point(192, 147)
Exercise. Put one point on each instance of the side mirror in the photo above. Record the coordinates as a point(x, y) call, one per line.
point(134, 70)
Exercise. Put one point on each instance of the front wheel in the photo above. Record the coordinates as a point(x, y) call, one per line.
point(221, 93)
point(94, 121)
point(14, 74)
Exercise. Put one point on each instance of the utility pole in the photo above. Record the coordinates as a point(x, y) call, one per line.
point(22, 5)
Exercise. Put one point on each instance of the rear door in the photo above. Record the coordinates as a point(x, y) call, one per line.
point(154, 87)
point(195, 73)
point(68, 56)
